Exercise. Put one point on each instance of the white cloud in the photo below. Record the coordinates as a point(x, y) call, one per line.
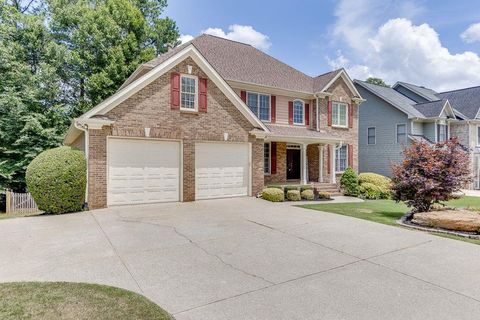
point(398, 49)
point(185, 38)
point(246, 34)
point(472, 34)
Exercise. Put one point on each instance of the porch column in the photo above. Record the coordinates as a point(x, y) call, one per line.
point(303, 156)
point(333, 178)
point(320, 163)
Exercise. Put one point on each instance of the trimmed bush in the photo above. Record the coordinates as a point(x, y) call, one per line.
point(57, 178)
point(324, 195)
point(276, 186)
point(306, 187)
point(349, 182)
point(273, 194)
point(307, 194)
point(375, 179)
point(371, 191)
point(294, 195)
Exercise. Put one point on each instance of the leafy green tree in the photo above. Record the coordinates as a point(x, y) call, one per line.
point(377, 81)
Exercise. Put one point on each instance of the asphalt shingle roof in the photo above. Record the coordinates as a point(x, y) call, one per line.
point(427, 93)
point(238, 61)
point(431, 109)
point(299, 132)
point(467, 100)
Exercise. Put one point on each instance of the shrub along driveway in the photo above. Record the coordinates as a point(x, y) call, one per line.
point(249, 259)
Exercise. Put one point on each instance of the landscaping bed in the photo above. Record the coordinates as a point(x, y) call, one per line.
point(63, 300)
point(280, 193)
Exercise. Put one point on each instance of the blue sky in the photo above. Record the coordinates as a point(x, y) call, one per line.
point(424, 42)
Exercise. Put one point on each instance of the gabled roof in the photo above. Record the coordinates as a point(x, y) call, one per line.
point(466, 101)
point(422, 91)
point(240, 62)
point(393, 97)
point(434, 109)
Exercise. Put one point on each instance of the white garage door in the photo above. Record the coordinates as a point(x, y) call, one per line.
point(221, 170)
point(143, 171)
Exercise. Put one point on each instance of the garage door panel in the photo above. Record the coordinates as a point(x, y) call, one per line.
point(143, 171)
point(221, 170)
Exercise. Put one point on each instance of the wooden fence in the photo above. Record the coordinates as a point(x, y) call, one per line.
point(20, 203)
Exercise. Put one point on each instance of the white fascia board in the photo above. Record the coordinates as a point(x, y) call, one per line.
point(189, 51)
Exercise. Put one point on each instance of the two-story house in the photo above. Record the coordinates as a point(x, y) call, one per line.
point(392, 118)
point(216, 118)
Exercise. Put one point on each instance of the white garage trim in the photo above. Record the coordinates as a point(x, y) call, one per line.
point(179, 141)
point(248, 146)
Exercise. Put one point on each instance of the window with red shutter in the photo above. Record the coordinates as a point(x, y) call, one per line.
point(175, 90)
point(329, 159)
point(273, 150)
point(329, 113)
point(243, 96)
point(350, 115)
point(273, 108)
point(290, 112)
point(307, 114)
point(202, 95)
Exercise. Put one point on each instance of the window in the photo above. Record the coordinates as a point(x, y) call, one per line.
point(266, 157)
point(371, 136)
point(341, 159)
point(188, 92)
point(442, 134)
point(298, 112)
point(478, 136)
point(401, 133)
point(339, 114)
point(259, 104)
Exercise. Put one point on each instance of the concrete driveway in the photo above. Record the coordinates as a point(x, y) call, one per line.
point(249, 259)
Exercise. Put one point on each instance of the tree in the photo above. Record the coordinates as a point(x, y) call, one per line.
point(430, 173)
point(377, 81)
point(349, 182)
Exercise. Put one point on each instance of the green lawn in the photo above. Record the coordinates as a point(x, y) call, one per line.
point(64, 300)
point(387, 211)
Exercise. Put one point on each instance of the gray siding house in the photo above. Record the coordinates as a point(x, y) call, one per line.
point(392, 118)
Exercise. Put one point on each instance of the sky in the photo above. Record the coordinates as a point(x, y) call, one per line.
point(426, 42)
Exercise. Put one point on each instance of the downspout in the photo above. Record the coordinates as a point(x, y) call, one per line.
point(84, 128)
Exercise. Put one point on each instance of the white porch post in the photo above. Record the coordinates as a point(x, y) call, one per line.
point(304, 163)
point(333, 178)
point(320, 163)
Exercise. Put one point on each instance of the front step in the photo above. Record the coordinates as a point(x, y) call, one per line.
point(331, 188)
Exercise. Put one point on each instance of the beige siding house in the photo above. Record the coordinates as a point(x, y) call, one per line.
point(215, 118)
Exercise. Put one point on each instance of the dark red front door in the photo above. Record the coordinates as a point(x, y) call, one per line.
point(293, 164)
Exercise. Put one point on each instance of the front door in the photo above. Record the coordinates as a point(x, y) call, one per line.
point(293, 164)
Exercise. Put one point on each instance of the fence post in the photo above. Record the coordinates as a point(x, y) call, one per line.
point(8, 202)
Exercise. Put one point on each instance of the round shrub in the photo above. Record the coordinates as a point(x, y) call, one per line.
point(273, 194)
point(374, 186)
point(349, 182)
point(324, 195)
point(293, 195)
point(375, 179)
point(370, 191)
point(57, 178)
point(307, 194)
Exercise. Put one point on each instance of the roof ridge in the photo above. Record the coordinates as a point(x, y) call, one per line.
point(226, 39)
point(427, 102)
point(467, 88)
point(332, 71)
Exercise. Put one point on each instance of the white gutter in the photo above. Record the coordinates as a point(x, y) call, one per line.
point(84, 128)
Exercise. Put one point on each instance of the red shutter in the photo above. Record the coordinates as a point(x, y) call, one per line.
point(202, 95)
point(273, 158)
point(329, 162)
point(350, 155)
point(307, 114)
point(290, 112)
point(273, 109)
point(329, 113)
point(243, 96)
point(350, 115)
point(175, 90)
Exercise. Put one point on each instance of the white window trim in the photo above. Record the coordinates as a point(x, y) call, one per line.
point(195, 109)
point(477, 127)
point(338, 103)
point(258, 104)
point(269, 159)
point(447, 133)
point(406, 133)
point(375, 136)
point(336, 158)
point(293, 113)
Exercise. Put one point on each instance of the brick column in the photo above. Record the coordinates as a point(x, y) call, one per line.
point(258, 174)
point(188, 170)
point(97, 168)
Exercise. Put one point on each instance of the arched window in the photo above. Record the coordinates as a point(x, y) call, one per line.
point(298, 112)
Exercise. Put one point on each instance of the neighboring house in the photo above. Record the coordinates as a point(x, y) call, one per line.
point(394, 117)
point(216, 118)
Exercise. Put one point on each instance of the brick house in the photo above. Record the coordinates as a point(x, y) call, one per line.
point(216, 118)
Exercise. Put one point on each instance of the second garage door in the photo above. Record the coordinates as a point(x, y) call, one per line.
point(222, 170)
point(143, 171)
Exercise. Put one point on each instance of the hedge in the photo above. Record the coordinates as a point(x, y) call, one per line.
point(273, 194)
point(57, 179)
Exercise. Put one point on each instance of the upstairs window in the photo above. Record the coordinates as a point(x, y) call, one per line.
point(188, 92)
point(401, 133)
point(341, 157)
point(339, 114)
point(259, 104)
point(442, 134)
point(371, 135)
point(298, 112)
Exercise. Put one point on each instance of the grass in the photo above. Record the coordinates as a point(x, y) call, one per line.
point(65, 300)
point(388, 211)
